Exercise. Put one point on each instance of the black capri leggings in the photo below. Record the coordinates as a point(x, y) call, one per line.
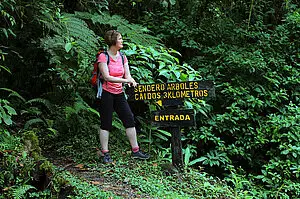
point(115, 102)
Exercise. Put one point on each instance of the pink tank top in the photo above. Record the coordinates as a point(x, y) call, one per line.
point(116, 69)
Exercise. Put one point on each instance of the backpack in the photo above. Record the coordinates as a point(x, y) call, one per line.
point(96, 79)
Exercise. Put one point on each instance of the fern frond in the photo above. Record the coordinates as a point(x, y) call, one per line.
point(5, 68)
point(117, 123)
point(42, 101)
point(20, 191)
point(31, 111)
point(135, 33)
point(94, 111)
point(52, 25)
point(70, 29)
point(78, 28)
point(69, 111)
point(34, 121)
point(13, 93)
point(8, 141)
point(53, 131)
point(85, 39)
point(79, 105)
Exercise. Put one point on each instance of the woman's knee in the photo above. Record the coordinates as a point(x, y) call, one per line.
point(106, 127)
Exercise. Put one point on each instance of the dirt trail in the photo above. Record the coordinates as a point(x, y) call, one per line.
point(91, 175)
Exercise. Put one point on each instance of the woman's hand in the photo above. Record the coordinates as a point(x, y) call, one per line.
point(131, 82)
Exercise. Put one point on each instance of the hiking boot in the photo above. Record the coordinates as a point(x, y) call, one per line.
point(140, 155)
point(106, 158)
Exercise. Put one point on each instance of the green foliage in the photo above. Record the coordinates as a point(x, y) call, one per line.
point(74, 44)
point(6, 112)
point(249, 135)
point(152, 135)
point(16, 166)
point(36, 113)
point(250, 49)
point(150, 179)
point(13, 93)
point(78, 107)
point(31, 144)
point(256, 111)
point(134, 33)
point(149, 64)
point(7, 7)
point(215, 158)
point(80, 188)
point(77, 128)
point(20, 191)
point(19, 170)
point(188, 153)
point(71, 49)
point(3, 67)
point(7, 141)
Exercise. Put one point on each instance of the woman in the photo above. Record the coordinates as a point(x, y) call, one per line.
point(113, 98)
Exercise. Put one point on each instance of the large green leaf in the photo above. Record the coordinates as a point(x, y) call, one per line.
point(68, 47)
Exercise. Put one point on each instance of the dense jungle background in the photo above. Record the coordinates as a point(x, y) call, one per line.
point(246, 143)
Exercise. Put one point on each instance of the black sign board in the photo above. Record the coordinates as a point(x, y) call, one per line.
point(173, 118)
point(171, 95)
point(172, 102)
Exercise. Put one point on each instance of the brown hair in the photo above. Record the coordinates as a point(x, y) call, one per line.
point(111, 37)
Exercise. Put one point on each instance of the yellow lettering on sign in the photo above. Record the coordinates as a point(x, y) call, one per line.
point(161, 118)
point(139, 88)
point(167, 117)
point(196, 86)
point(159, 87)
point(191, 85)
point(205, 93)
point(176, 90)
point(180, 94)
point(171, 117)
point(184, 94)
point(142, 96)
point(158, 96)
point(187, 117)
point(171, 87)
point(147, 96)
point(197, 93)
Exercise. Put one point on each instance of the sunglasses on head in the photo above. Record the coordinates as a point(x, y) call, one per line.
point(113, 32)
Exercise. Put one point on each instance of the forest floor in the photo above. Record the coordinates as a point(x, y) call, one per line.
point(133, 179)
point(129, 178)
point(103, 178)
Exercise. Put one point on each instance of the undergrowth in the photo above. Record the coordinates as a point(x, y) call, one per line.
point(156, 178)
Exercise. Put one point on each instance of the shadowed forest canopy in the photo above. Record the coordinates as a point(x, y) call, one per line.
point(246, 142)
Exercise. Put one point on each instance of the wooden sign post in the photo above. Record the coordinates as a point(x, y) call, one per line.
point(171, 95)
